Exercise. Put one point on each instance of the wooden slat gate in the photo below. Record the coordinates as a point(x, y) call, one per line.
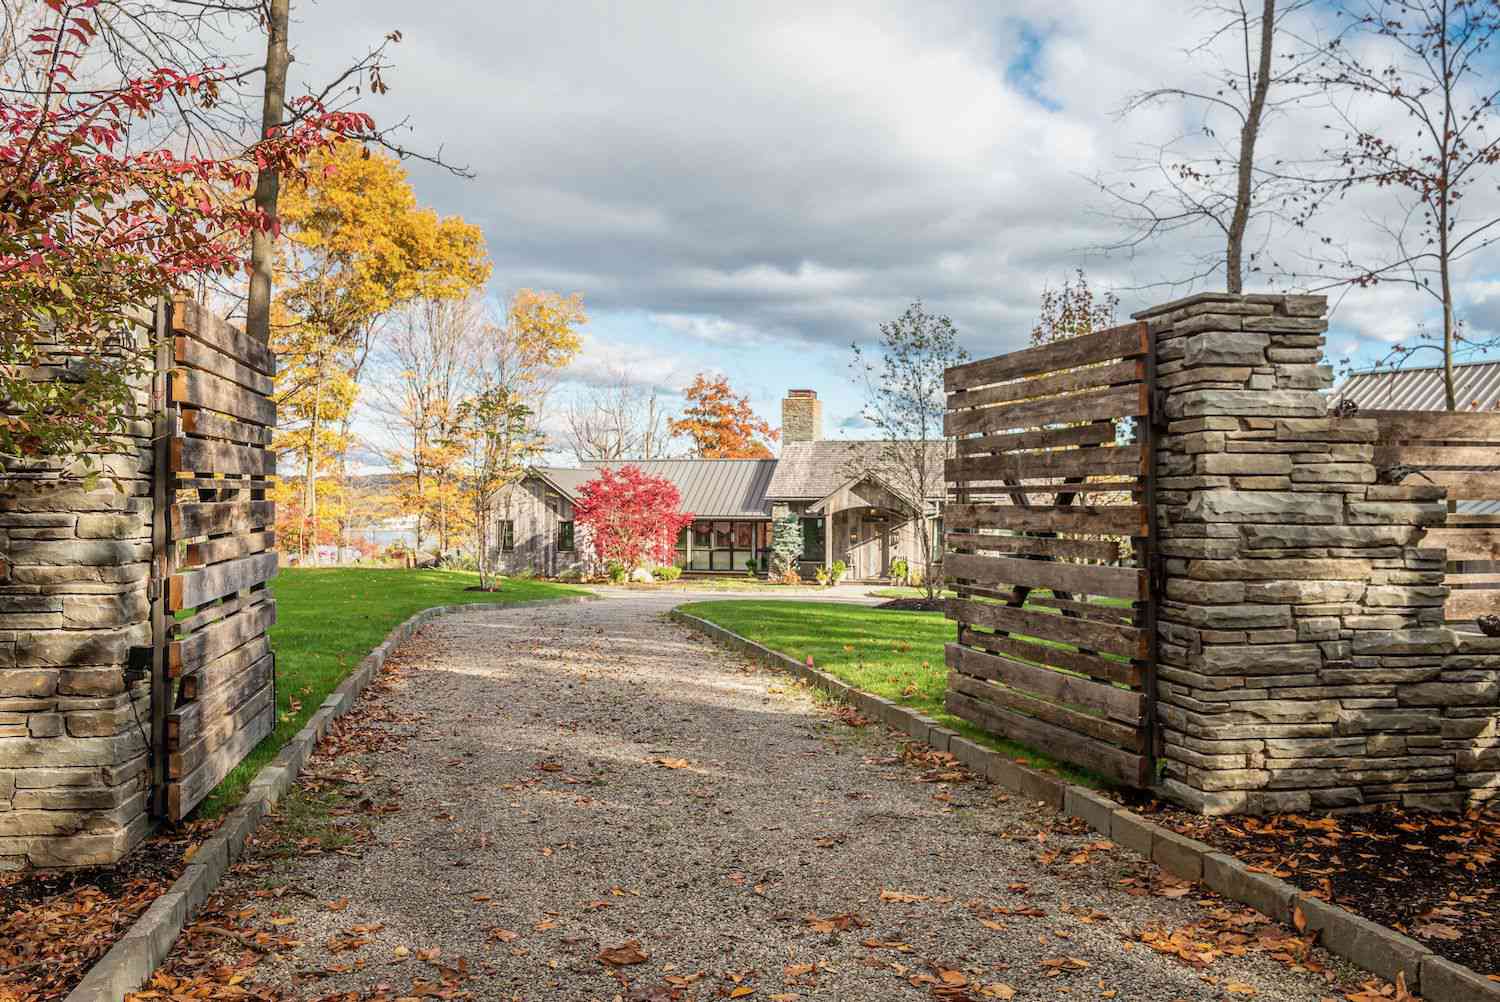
point(214, 690)
point(1048, 546)
point(1459, 451)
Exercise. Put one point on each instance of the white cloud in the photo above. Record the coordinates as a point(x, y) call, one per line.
point(797, 173)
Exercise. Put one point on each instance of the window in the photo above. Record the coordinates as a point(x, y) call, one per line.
point(812, 539)
point(507, 536)
point(565, 536)
point(937, 538)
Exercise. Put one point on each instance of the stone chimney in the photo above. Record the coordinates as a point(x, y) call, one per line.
point(801, 417)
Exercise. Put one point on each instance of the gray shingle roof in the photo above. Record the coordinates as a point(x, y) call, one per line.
point(710, 488)
point(809, 471)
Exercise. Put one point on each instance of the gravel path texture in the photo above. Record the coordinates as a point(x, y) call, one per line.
point(590, 802)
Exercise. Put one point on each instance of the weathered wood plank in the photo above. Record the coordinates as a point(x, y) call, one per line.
point(1064, 745)
point(1099, 520)
point(1088, 610)
point(1471, 520)
point(201, 455)
point(1466, 485)
point(212, 518)
point(1096, 433)
point(1108, 461)
point(227, 548)
point(1128, 341)
point(1426, 456)
point(187, 793)
point(194, 588)
point(1465, 544)
point(197, 355)
point(1091, 665)
point(1463, 606)
point(200, 684)
point(197, 649)
point(1051, 546)
point(185, 723)
point(203, 389)
point(1119, 704)
point(1096, 405)
point(1436, 426)
point(1107, 638)
point(209, 614)
point(214, 425)
point(221, 484)
point(1086, 579)
point(1070, 381)
point(1129, 737)
point(215, 732)
point(1113, 492)
point(194, 320)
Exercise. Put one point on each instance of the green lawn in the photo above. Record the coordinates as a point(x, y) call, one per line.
point(328, 619)
point(897, 655)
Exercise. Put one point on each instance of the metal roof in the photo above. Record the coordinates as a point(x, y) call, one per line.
point(1476, 384)
point(710, 488)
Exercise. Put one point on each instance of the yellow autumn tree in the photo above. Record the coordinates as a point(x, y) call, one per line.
point(357, 246)
point(439, 358)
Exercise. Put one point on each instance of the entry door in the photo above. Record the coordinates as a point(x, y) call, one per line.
point(874, 549)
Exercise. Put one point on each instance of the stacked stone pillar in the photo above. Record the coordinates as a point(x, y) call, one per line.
point(75, 556)
point(1304, 662)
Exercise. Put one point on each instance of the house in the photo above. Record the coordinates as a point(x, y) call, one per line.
point(848, 498)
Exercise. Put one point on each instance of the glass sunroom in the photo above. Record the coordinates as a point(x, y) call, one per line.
point(724, 545)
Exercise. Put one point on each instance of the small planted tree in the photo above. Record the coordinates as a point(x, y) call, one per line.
point(786, 547)
point(632, 518)
point(905, 401)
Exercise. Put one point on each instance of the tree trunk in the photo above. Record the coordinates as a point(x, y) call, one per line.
point(1450, 394)
point(1234, 266)
point(268, 181)
point(310, 477)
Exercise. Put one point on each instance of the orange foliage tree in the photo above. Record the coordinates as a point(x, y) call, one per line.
point(721, 423)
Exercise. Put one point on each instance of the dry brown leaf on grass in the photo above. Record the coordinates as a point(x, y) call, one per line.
point(672, 763)
point(499, 935)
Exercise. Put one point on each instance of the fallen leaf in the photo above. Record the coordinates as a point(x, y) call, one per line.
point(628, 952)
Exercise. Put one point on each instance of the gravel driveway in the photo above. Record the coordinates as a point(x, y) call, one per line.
point(534, 789)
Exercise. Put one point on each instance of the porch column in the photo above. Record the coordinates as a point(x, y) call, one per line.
point(828, 540)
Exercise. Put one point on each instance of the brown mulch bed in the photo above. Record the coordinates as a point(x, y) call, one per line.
point(1434, 877)
point(912, 605)
point(55, 924)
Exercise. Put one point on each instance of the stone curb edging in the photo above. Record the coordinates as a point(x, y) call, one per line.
point(134, 957)
point(1373, 947)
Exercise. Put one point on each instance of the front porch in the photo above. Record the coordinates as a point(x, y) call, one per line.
point(868, 527)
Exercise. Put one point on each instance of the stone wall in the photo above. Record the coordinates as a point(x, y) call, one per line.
point(74, 571)
point(1303, 662)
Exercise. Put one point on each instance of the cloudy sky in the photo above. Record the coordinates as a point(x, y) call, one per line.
point(747, 187)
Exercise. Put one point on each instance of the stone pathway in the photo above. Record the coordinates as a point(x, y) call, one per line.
point(557, 783)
